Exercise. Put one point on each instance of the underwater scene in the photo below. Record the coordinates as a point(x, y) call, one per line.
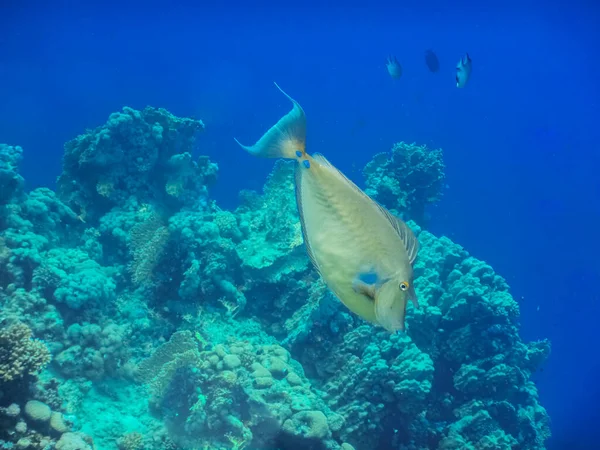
point(299, 226)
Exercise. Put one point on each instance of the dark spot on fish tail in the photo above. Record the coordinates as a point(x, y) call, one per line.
point(306, 163)
point(298, 153)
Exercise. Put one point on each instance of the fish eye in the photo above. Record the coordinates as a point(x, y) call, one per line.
point(404, 286)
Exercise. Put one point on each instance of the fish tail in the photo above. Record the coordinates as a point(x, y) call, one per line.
point(285, 139)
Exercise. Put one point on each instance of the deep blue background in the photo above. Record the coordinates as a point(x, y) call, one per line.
point(520, 141)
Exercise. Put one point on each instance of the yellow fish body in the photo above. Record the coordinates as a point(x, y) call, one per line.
point(363, 253)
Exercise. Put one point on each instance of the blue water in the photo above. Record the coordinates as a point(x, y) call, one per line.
point(521, 141)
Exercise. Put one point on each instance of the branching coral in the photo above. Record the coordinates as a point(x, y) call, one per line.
point(20, 355)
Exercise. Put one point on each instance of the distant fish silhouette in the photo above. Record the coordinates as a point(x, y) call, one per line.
point(394, 68)
point(432, 61)
point(463, 71)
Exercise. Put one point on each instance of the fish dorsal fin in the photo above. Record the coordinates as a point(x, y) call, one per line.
point(318, 157)
point(298, 183)
point(411, 242)
point(406, 234)
point(324, 162)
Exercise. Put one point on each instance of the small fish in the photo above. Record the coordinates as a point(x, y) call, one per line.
point(432, 61)
point(463, 71)
point(364, 254)
point(394, 68)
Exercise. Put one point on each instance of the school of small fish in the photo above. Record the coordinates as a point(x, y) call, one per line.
point(462, 73)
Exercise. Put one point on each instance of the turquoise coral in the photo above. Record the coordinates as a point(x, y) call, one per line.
point(152, 299)
point(11, 182)
point(407, 179)
point(71, 277)
point(20, 354)
point(143, 153)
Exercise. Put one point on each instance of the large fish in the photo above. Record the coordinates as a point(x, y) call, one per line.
point(364, 253)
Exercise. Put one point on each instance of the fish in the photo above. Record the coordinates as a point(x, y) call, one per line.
point(363, 253)
point(394, 68)
point(432, 61)
point(463, 71)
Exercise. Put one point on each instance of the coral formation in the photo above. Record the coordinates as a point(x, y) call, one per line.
point(11, 182)
point(407, 179)
point(20, 355)
point(137, 314)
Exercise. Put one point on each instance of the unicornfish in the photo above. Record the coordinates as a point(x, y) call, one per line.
point(364, 254)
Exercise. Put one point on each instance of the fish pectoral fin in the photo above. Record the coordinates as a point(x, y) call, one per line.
point(360, 287)
point(412, 295)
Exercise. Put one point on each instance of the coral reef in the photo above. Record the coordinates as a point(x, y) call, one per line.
point(461, 361)
point(135, 313)
point(19, 354)
point(145, 154)
point(11, 182)
point(407, 179)
point(241, 391)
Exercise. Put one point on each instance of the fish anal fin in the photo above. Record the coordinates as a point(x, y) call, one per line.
point(412, 295)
